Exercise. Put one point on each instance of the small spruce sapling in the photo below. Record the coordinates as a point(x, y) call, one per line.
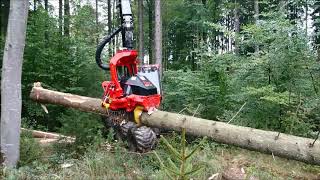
point(180, 166)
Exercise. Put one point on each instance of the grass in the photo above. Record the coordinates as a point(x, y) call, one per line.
point(113, 161)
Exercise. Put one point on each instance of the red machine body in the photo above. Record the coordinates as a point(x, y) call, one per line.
point(114, 96)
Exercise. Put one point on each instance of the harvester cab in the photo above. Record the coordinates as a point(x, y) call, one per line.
point(131, 90)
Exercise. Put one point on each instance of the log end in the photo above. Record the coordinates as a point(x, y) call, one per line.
point(37, 84)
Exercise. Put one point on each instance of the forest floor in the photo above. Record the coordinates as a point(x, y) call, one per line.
point(113, 161)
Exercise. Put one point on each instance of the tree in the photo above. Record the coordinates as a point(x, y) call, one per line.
point(35, 5)
point(256, 19)
point(158, 34)
point(316, 19)
point(110, 25)
point(11, 82)
point(97, 21)
point(150, 4)
point(141, 33)
point(236, 25)
point(60, 17)
point(46, 5)
point(66, 18)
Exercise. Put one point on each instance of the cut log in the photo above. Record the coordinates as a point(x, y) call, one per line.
point(47, 135)
point(284, 145)
point(47, 138)
point(86, 104)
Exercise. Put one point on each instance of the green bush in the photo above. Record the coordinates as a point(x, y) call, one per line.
point(86, 128)
point(30, 149)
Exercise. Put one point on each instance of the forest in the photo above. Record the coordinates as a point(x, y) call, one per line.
point(247, 63)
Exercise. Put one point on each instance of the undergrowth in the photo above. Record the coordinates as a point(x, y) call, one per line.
point(111, 160)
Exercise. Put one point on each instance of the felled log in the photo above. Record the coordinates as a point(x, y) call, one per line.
point(284, 145)
point(48, 137)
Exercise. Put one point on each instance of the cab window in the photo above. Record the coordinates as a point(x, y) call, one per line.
point(123, 72)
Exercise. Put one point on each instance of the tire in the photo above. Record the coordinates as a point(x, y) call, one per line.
point(143, 138)
point(140, 139)
point(125, 128)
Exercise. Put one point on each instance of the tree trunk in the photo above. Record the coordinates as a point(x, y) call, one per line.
point(236, 27)
point(11, 82)
point(35, 5)
point(46, 33)
point(46, 5)
point(150, 22)
point(97, 22)
point(288, 146)
point(66, 18)
point(256, 19)
point(158, 34)
point(141, 34)
point(316, 26)
point(60, 17)
point(306, 17)
point(110, 26)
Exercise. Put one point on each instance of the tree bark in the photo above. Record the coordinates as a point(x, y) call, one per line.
point(158, 34)
point(150, 24)
point(236, 27)
point(66, 18)
point(288, 146)
point(256, 19)
point(35, 5)
point(11, 82)
point(46, 5)
point(60, 17)
point(141, 34)
point(316, 25)
point(110, 26)
point(46, 33)
point(97, 22)
point(306, 17)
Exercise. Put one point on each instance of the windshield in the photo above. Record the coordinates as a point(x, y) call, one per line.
point(123, 73)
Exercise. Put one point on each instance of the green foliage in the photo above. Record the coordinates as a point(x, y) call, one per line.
point(187, 90)
point(278, 83)
point(30, 149)
point(86, 128)
point(185, 169)
point(61, 63)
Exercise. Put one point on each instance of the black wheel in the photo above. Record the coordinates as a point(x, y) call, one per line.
point(143, 138)
point(125, 128)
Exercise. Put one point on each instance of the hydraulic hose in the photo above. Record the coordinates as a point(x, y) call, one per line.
point(100, 47)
